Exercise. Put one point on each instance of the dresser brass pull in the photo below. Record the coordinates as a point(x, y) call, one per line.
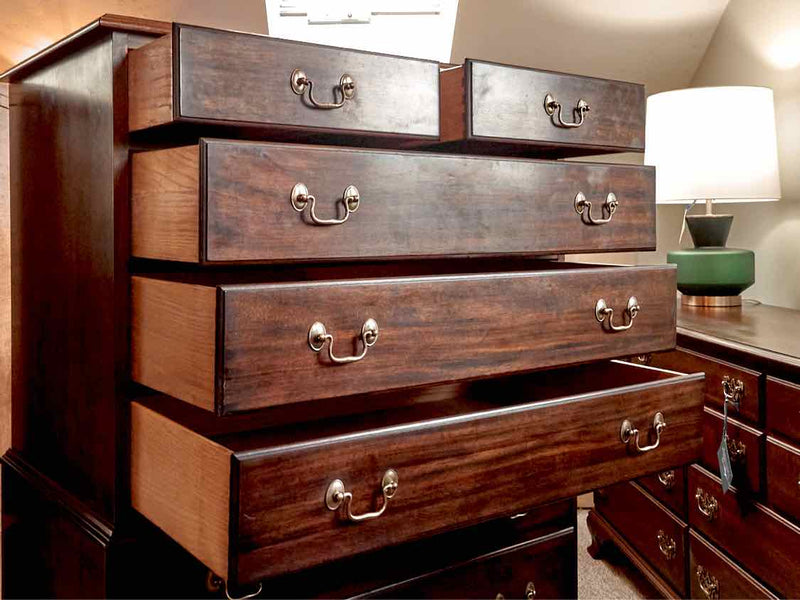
point(603, 313)
point(708, 583)
point(707, 504)
point(318, 335)
point(301, 198)
point(737, 450)
point(336, 497)
point(551, 105)
point(214, 584)
point(628, 432)
point(667, 479)
point(300, 83)
point(584, 208)
point(530, 592)
point(733, 391)
point(666, 545)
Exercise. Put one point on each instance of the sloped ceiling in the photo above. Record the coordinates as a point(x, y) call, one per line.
point(656, 42)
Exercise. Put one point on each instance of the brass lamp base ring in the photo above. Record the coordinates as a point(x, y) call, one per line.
point(711, 301)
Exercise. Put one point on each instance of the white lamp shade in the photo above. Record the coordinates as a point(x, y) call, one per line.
point(714, 143)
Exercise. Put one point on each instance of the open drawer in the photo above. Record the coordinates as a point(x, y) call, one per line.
point(253, 504)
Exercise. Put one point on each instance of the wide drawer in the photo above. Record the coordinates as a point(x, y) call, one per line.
point(502, 108)
point(745, 445)
point(229, 348)
point(783, 477)
point(256, 504)
point(228, 201)
point(765, 543)
point(712, 575)
point(657, 534)
point(743, 383)
point(205, 75)
point(783, 407)
point(669, 487)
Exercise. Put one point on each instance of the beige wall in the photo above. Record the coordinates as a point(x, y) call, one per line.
point(758, 43)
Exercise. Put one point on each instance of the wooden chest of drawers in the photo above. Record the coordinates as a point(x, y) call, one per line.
point(309, 370)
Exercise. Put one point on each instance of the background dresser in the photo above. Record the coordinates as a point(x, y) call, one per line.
point(345, 365)
point(677, 525)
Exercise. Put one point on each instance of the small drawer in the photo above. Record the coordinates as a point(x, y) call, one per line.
point(744, 448)
point(284, 88)
point(716, 371)
point(229, 348)
point(657, 534)
point(261, 503)
point(765, 543)
point(783, 477)
point(669, 487)
point(543, 568)
point(783, 407)
point(714, 576)
point(498, 108)
point(230, 201)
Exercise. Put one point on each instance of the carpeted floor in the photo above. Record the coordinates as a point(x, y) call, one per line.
point(612, 577)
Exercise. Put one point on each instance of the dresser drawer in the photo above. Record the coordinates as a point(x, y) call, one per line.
point(783, 407)
point(503, 108)
point(765, 543)
point(783, 477)
point(201, 75)
point(744, 448)
point(669, 487)
point(658, 535)
point(713, 576)
point(716, 371)
point(255, 504)
point(228, 201)
point(543, 568)
point(230, 348)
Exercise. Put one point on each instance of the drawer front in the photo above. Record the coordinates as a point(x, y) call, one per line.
point(654, 531)
point(783, 407)
point(544, 568)
point(765, 543)
point(409, 204)
point(508, 103)
point(206, 75)
point(783, 477)
point(687, 361)
point(744, 448)
point(713, 576)
point(248, 346)
point(669, 487)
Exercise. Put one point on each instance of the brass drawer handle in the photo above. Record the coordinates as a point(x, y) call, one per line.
point(300, 83)
point(603, 313)
point(628, 432)
point(666, 545)
point(667, 479)
point(707, 504)
point(301, 198)
point(733, 391)
point(609, 207)
point(336, 497)
point(737, 450)
point(708, 583)
point(530, 592)
point(318, 335)
point(551, 105)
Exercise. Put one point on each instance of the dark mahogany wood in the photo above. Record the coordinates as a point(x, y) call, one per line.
point(213, 76)
point(783, 407)
point(669, 487)
point(746, 466)
point(640, 518)
point(433, 329)
point(459, 468)
point(495, 108)
point(783, 477)
point(412, 204)
point(765, 543)
point(731, 580)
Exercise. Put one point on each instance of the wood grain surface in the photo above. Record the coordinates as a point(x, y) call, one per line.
point(150, 81)
point(783, 407)
point(783, 477)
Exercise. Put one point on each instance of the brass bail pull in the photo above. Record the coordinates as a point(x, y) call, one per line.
point(301, 84)
point(584, 208)
point(336, 497)
point(605, 314)
point(628, 433)
point(301, 198)
point(553, 108)
point(318, 335)
point(733, 391)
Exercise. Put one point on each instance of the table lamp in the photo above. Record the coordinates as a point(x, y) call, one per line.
point(713, 145)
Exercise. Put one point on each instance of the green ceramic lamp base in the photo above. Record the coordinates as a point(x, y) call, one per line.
point(713, 272)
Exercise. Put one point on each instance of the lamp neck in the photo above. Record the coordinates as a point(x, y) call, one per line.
point(709, 206)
